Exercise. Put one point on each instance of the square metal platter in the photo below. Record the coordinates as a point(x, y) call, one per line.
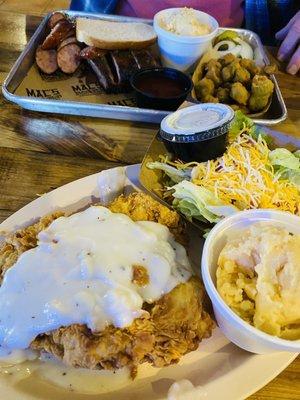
point(82, 107)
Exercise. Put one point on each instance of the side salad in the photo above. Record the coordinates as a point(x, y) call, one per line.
point(249, 175)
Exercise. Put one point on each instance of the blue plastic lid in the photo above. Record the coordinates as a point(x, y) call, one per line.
point(197, 123)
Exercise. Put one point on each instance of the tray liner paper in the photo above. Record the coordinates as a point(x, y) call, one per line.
point(81, 86)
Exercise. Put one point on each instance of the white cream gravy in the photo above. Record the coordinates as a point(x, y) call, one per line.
point(81, 272)
point(48, 369)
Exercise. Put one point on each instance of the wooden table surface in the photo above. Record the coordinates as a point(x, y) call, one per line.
point(39, 152)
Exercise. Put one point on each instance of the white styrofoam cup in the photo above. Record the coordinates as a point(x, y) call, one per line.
point(183, 52)
point(235, 328)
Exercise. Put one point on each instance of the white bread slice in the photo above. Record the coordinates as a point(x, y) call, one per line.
point(114, 35)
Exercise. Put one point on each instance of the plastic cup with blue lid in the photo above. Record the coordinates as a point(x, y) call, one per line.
point(197, 133)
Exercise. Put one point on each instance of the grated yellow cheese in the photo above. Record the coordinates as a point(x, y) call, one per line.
point(244, 177)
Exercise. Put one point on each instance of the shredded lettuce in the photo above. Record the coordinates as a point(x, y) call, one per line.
point(297, 153)
point(239, 124)
point(200, 203)
point(206, 232)
point(243, 124)
point(294, 176)
point(284, 158)
point(176, 175)
point(222, 211)
point(286, 164)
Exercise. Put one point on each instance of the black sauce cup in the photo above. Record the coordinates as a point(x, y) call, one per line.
point(196, 133)
point(201, 147)
point(146, 99)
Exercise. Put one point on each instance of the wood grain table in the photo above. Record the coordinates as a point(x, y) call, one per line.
point(39, 152)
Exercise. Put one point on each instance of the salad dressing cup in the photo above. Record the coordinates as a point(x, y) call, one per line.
point(197, 133)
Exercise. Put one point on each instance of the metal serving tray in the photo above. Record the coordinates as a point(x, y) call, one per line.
point(276, 113)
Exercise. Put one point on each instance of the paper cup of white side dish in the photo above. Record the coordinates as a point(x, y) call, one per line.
point(233, 327)
point(182, 51)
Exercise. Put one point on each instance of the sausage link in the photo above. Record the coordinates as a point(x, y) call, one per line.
point(46, 60)
point(60, 31)
point(65, 42)
point(68, 58)
point(53, 20)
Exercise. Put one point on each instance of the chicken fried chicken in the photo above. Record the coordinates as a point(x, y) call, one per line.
point(169, 327)
point(174, 326)
point(22, 240)
point(141, 207)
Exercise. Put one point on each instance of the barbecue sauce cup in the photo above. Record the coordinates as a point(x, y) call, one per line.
point(160, 88)
point(196, 133)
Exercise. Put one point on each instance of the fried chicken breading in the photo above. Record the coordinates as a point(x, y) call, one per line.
point(170, 327)
point(22, 240)
point(141, 207)
point(140, 275)
point(175, 325)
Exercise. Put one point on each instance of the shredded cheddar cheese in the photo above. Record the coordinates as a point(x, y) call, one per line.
point(244, 177)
